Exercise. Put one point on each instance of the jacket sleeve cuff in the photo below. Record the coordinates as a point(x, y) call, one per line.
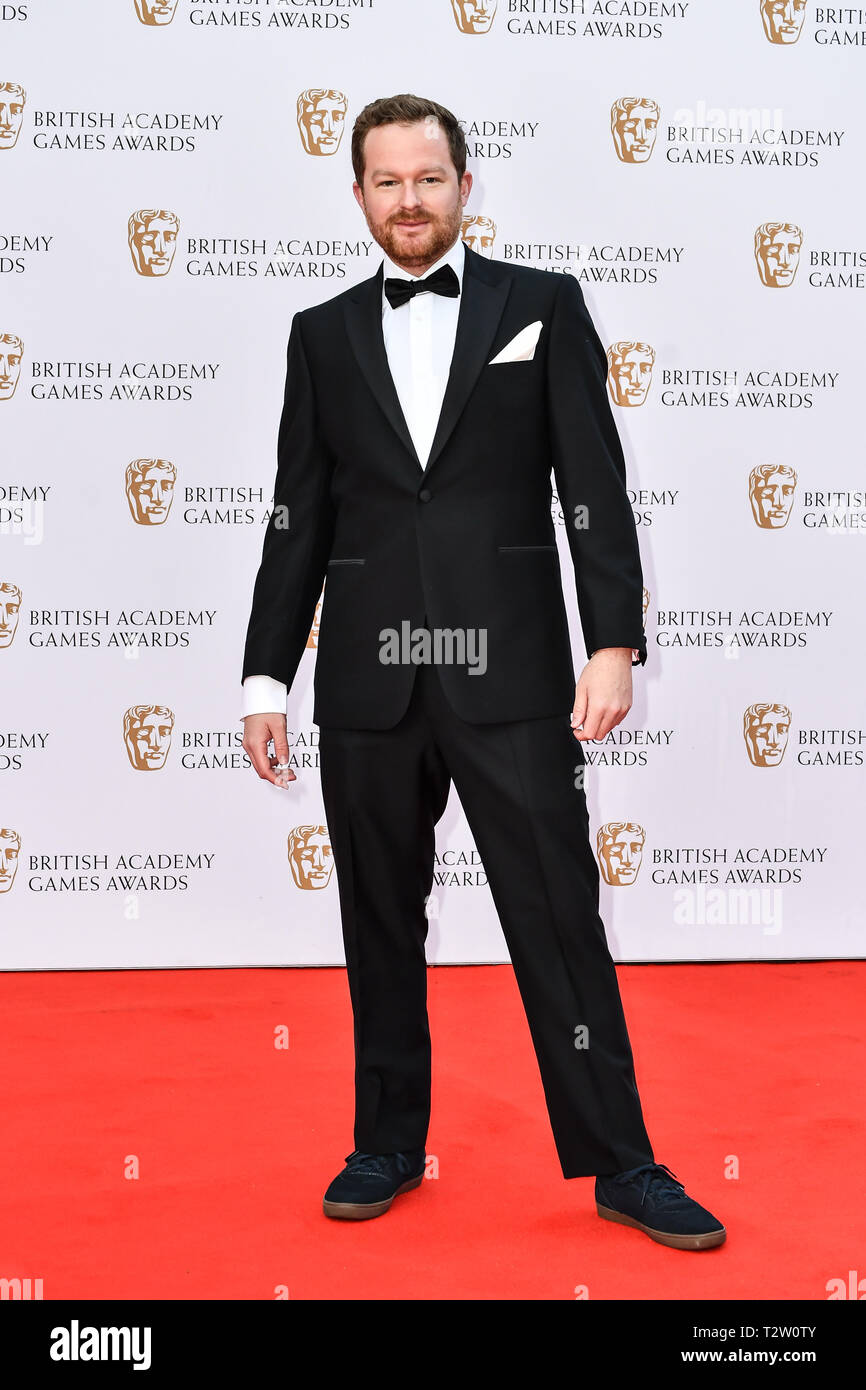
point(635, 655)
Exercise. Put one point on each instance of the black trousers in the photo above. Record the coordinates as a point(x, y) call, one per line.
point(384, 791)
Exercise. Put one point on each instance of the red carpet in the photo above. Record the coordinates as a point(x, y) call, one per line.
point(236, 1140)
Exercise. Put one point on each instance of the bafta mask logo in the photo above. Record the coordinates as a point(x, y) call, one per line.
point(313, 639)
point(10, 847)
point(783, 19)
point(629, 372)
point(310, 856)
point(645, 597)
point(155, 11)
point(11, 352)
point(474, 16)
point(12, 99)
point(10, 607)
point(765, 729)
point(479, 233)
point(152, 240)
point(321, 118)
point(634, 123)
point(771, 493)
point(620, 850)
point(777, 253)
point(149, 490)
point(147, 736)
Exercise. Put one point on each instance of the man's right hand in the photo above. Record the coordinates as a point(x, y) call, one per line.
point(258, 729)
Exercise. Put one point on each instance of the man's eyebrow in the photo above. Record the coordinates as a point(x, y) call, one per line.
point(428, 169)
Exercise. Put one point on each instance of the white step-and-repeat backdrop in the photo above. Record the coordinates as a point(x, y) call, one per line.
point(176, 182)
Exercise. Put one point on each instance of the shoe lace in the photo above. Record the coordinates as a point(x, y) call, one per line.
point(657, 1178)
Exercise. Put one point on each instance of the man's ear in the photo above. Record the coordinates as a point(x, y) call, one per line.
point(359, 194)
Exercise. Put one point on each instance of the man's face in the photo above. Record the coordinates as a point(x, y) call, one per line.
point(474, 16)
point(11, 115)
point(783, 19)
point(635, 134)
point(152, 494)
point(622, 856)
point(479, 235)
point(778, 258)
point(322, 123)
point(9, 606)
point(10, 368)
point(313, 639)
point(771, 500)
point(313, 861)
point(8, 862)
point(155, 11)
point(151, 740)
point(411, 197)
point(156, 245)
point(630, 377)
point(768, 738)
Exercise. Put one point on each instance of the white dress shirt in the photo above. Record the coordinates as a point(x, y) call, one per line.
point(419, 343)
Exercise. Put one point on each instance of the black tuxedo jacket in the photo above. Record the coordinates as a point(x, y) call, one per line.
point(467, 543)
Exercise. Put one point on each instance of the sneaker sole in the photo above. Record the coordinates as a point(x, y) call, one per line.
point(705, 1241)
point(364, 1211)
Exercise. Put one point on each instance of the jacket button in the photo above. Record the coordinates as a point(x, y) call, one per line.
point(424, 495)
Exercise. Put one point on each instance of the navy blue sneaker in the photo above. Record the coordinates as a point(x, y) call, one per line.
point(369, 1183)
point(651, 1198)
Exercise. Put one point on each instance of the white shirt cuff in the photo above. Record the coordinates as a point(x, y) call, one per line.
point(264, 695)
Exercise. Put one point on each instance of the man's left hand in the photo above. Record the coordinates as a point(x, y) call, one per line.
point(603, 695)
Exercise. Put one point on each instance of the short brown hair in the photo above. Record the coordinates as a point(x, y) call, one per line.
point(403, 110)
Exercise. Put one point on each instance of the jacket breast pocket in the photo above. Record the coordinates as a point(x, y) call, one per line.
point(346, 562)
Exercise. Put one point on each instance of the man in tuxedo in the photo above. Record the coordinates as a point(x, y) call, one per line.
point(424, 410)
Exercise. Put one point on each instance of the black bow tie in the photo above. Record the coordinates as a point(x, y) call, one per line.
point(442, 281)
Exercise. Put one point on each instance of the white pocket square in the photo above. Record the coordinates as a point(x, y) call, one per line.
point(521, 348)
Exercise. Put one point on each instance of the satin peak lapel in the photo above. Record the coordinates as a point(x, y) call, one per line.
point(482, 301)
point(363, 314)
